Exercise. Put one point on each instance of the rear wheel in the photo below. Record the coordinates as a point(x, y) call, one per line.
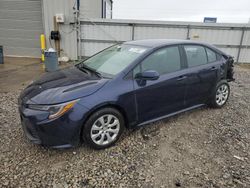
point(103, 128)
point(221, 94)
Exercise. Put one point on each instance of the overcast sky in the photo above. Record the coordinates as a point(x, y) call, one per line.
point(234, 11)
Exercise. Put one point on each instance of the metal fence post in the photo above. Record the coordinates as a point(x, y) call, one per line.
point(188, 32)
point(240, 46)
point(133, 31)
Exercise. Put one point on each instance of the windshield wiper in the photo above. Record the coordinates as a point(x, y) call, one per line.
point(83, 66)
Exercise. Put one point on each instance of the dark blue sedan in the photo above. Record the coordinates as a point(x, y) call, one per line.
point(124, 86)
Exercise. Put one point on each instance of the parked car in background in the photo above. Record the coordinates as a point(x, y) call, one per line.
point(124, 86)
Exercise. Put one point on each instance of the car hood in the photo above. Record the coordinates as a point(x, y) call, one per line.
point(62, 86)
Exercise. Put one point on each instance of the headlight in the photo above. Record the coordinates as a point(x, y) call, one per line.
point(55, 111)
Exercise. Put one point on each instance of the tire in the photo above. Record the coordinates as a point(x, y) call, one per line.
point(220, 94)
point(103, 128)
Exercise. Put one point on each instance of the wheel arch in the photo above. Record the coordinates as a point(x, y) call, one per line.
point(105, 105)
point(211, 102)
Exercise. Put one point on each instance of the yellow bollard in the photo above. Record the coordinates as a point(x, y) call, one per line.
point(43, 46)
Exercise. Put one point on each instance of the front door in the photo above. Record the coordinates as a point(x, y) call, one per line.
point(163, 96)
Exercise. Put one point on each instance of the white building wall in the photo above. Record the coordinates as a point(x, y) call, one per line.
point(68, 34)
point(88, 9)
point(91, 9)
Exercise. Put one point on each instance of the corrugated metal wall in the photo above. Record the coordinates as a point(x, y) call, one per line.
point(20, 27)
point(99, 34)
point(21, 24)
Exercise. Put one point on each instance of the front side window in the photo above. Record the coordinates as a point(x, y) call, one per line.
point(196, 55)
point(163, 61)
point(115, 59)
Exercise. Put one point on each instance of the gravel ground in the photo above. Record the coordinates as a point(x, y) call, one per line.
point(203, 148)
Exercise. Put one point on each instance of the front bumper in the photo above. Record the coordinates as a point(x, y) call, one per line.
point(30, 131)
point(63, 132)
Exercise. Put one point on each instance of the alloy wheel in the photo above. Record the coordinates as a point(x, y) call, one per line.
point(222, 94)
point(105, 129)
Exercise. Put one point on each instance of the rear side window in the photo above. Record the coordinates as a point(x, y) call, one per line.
point(163, 61)
point(196, 55)
point(211, 55)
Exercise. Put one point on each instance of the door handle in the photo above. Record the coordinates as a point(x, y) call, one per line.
point(213, 68)
point(180, 78)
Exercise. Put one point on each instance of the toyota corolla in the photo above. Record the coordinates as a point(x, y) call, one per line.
point(124, 86)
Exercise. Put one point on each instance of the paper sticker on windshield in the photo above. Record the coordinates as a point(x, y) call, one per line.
point(137, 50)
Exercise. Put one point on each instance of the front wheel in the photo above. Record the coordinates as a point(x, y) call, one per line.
point(221, 94)
point(103, 128)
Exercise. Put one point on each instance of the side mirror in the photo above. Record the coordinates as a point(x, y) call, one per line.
point(148, 75)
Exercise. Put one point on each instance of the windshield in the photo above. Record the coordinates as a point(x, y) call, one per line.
point(115, 59)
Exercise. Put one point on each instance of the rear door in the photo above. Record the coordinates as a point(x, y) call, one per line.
point(203, 69)
point(165, 95)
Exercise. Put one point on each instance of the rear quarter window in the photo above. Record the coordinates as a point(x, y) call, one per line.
point(211, 55)
point(218, 56)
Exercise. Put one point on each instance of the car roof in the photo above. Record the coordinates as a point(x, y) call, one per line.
point(152, 43)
